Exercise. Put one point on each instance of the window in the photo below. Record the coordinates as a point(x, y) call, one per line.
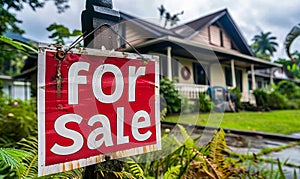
point(228, 76)
point(200, 76)
point(163, 65)
point(239, 79)
point(221, 39)
point(174, 68)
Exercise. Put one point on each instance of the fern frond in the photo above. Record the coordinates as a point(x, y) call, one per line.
point(172, 172)
point(135, 168)
point(31, 162)
point(13, 158)
point(217, 148)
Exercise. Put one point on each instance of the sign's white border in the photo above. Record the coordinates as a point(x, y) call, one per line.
point(62, 167)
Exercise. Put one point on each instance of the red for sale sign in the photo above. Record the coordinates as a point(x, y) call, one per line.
point(93, 104)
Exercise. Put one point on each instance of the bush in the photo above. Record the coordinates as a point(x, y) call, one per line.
point(18, 119)
point(170, 96)
point(238, 95)
point(261, 98)
point(205, 105)
point(288, 89)
point(277, 101)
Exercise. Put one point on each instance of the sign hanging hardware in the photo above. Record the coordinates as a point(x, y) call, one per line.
point(85, 35)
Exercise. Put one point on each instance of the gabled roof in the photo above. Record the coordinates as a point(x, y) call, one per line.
point(153, 28)
point(224, 20)
point(188, 30)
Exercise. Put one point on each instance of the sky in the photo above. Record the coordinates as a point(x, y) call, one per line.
point(251, 16)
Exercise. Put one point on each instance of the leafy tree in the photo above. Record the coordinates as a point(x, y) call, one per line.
point(292, 35)
point(264, 45)
point(8, 20)
point(60, 32)
point(16, 52)
point(293, 65)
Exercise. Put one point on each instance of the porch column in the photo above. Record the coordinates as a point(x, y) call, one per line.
point(233, 74)
point(169, 58)
point(253, 77)
point(271, 76)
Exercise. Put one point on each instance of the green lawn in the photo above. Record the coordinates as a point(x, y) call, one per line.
point(280, 122)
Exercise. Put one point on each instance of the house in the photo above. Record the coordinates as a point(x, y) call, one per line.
point(265, 77)
point(17, 87)
point(208, 51)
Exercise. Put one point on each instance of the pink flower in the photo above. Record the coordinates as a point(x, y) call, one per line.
point(15, 103)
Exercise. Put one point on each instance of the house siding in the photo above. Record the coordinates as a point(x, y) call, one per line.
point(217, 77)
point(201, 37)
point(135, 34)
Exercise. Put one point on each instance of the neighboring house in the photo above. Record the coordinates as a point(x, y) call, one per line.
point(208, 51)
point(264, 78)
point(17, 87)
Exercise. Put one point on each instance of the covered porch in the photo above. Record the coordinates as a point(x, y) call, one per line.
point(195, 66)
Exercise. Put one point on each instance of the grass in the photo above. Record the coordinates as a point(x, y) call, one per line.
point(277, 122)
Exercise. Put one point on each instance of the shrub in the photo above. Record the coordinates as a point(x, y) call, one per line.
point(277, 101)
point(18, 119)
point(205, 105)
point(170, 95)
point(238, 95)
point(288, 89)
point(261, 98)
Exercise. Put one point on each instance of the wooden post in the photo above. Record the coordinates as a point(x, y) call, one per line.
point(99, 14)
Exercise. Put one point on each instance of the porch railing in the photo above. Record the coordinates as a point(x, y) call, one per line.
point(191, 91)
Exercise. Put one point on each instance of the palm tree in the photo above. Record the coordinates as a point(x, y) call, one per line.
point(292, 35)
point(264, 44)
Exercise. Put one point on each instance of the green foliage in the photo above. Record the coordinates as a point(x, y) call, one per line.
point(277, 101)
point(170, 95)
point(13, 55)
point(12, 158)
point(261, 97)
point(205, 104)
point(8, 20)
point(288, 89)
point(264, 45)
point(238, 95)
point(18, 119)
point(291, 36)
point(292, 66)
point(17, 45)
point(60, 32)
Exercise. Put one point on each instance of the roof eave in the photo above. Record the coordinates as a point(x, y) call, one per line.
point(207, 47)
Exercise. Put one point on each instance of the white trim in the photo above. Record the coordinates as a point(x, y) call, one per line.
point(233, 74)
point(169, 58)
point(41, 112)
point(253, 77)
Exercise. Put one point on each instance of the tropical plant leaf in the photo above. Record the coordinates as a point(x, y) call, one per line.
point(173, 172)
point(292, 35)
point(135, 168)
point(31, 161)
point(18, 45)
point(13, 158)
